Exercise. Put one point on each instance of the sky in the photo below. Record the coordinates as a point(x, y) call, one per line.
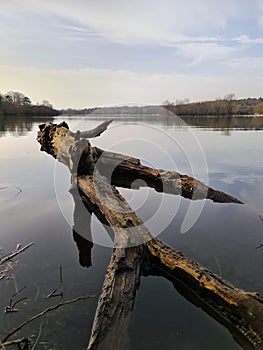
point(87, 53)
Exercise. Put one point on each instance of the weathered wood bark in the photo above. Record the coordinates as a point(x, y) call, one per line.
point(114, 310)
point(241, 312)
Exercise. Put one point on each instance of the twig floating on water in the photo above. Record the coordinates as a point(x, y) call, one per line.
point(18, 301)
point(11, 306)
point(42, 313)
point(14, 342)
point(14, 253)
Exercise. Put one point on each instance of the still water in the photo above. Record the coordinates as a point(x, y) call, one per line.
point(225, 238)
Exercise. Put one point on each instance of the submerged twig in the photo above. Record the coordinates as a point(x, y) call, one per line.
point(218, 266)
point(3, 273)
point(38, 337)
point(54, 292)
point(37, 293)
point(42, 313)
point(10, 269)
point(17, 292)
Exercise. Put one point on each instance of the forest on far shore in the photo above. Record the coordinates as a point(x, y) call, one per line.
point(16, 103)
point(226, 106)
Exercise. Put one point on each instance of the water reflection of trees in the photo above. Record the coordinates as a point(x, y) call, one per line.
point(19, 125)
point(161, 116)
point(225, 122)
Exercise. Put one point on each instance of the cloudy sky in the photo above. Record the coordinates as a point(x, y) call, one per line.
point(81, 53)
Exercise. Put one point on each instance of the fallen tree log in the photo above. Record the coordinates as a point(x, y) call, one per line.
point(121, 170)
point(241, 312)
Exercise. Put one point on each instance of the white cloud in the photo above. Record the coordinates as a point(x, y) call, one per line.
point(137, 21)
point(246, 65)
point(200, 52)
point(245, 39)
point(194, 28)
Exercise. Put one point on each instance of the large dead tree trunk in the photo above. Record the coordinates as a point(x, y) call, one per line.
point(241, 312)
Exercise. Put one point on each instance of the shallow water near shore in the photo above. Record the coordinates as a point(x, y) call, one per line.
point(225, 238)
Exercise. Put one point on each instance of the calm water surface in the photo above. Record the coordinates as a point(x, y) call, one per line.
point(37, 207)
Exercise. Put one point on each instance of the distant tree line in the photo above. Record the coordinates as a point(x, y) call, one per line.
point(226, 106)
point(16, 103)
point(71, 111)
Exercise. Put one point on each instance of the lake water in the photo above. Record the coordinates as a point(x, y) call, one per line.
point(225, 238)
